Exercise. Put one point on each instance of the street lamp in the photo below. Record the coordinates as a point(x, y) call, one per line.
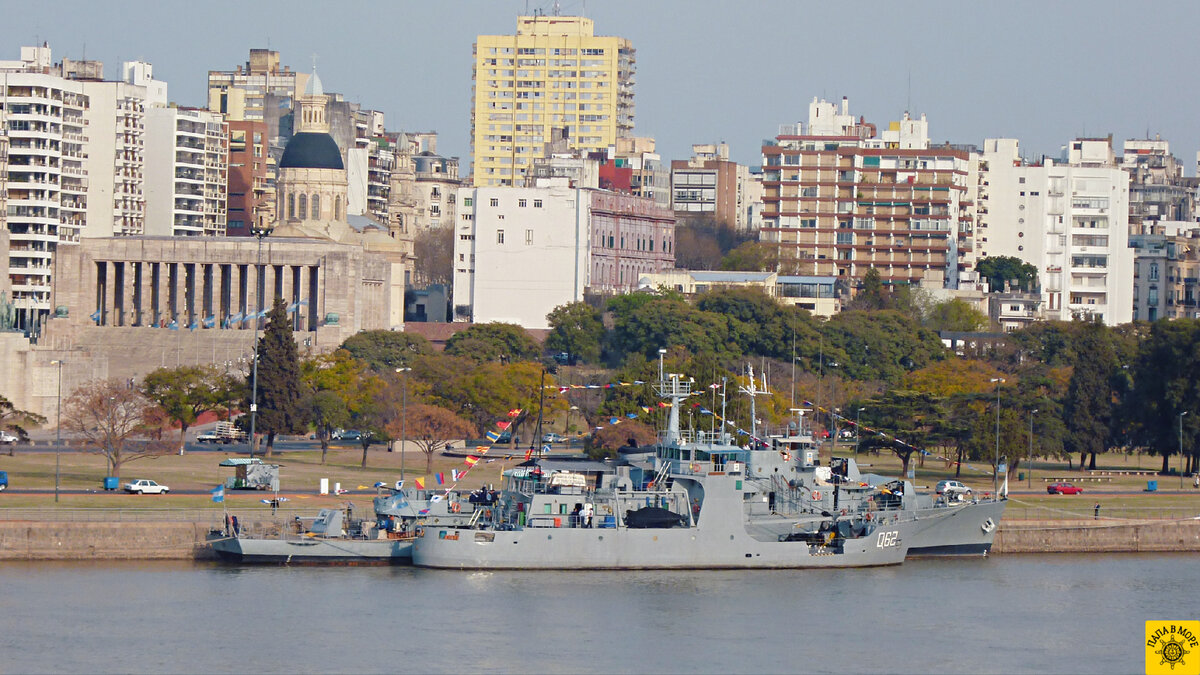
point(259, 275)
point(996, 465)
point(1029, 469)
point(403, 416)
point(857, 429)
point(661, 354)
point(1181, 415)
point(57, 429)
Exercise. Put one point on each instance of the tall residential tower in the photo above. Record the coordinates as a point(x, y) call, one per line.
point(554, 74)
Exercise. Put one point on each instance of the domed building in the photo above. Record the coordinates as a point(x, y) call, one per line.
point(311, 184)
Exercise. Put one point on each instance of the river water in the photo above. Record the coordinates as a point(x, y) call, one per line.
point(1005, 614)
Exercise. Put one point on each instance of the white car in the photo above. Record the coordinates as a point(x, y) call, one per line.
point(6, 437)
point(146, 487)
point(952, 488)
point(208, 438)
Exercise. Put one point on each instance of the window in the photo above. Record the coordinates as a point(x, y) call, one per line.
point(337, 209)
point(499, 236)
point(467, 201)
point(528, 237)
point(303, 211)
point(1153, 271)
point(522, 203)
point(537, 203)
point(291, 210)
point(316, 206)
point(495, 202)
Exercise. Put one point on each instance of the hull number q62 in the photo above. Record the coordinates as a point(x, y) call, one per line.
point(887, 539)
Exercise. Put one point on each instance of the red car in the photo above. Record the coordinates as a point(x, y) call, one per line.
point(1063, 489)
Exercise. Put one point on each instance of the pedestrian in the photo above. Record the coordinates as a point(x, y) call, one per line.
point(587, 514)
point(1096, 513)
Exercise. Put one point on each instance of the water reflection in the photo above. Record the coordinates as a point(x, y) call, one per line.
point(1004, 614)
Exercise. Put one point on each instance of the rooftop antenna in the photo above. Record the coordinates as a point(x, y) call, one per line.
point(908, 101)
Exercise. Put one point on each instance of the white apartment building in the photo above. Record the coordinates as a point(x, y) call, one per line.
point(116, 121)
point(47, 179)
point(1071, 221)
point(186, 192)
point(519, 252)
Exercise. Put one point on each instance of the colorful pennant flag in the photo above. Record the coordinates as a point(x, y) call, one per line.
point(514, 412)
point(493, 436)
point(420, 483)
point(471, 460)
point(440, 478)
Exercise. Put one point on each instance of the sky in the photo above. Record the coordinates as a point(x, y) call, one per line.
point(707, 70)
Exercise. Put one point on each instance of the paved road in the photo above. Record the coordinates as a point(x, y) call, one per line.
point(192, 446)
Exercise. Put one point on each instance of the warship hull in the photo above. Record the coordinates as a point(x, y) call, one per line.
point(675, 548)
point(966, 530)
point(313, 551)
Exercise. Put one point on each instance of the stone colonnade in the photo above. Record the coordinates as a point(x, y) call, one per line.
point(200, 295)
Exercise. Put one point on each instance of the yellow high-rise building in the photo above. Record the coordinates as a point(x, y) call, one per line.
point(554, 79)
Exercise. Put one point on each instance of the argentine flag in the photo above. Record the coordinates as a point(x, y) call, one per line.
point(218, 493)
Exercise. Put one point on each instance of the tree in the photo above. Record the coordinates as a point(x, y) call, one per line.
point(751, 256)
point(1089, 405)
point(111, 419)
point(279, 405)
point(14, 421)
point(336, 386)
point(494, 341)
point(488, 392)
point(1165, 383)
point(870, 294)
point(956, 315)
point(431, 428)
point(701, 242)
point(386, 350)
point(434, 252)
point(1002, 268)
point(575, 328)
point(953, 376)
point(371, 412)
point(186, 392)
point(605, 442)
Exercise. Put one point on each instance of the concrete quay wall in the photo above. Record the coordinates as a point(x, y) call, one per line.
point(59, 540)
point(1096, 536)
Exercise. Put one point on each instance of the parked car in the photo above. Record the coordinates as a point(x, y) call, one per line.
point(1063, 489)
point(3, 480)
point(553, 438)
point(6, 437)
point(951, 488)
point(209, 437)
point(506, 437)
point(350, 435)
point(143, 486)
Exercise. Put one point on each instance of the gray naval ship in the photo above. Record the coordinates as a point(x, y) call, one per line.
point(696, 500)
point(336, 536)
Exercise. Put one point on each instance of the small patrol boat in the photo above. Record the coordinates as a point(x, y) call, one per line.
point(336, 536)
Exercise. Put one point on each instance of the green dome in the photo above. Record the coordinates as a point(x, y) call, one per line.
point(311, 151)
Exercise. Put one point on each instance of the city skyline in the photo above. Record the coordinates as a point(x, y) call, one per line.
point(1043, 74)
